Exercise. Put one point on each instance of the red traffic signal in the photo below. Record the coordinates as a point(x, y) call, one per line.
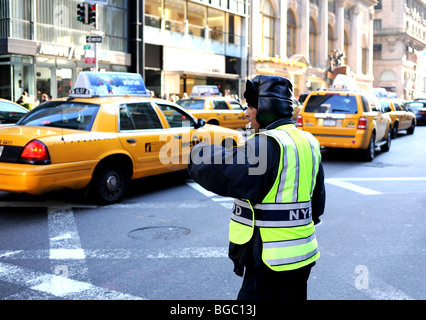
point(92, 14)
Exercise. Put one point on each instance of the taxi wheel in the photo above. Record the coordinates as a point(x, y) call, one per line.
point(387, 145)
point(410, 130)
point(369, 153)
point(110, 183)
point(395, 130)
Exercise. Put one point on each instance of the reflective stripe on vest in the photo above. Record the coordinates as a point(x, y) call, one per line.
point(285, 216)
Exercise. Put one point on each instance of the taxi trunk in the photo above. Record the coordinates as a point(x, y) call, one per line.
point(334, 120)
point(29, 163)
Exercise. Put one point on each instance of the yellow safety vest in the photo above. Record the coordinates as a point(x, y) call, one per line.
point(285, 216)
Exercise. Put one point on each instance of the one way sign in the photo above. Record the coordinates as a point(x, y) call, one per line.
point(92, 39)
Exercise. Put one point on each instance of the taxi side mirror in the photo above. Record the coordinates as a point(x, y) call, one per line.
point(201, 123)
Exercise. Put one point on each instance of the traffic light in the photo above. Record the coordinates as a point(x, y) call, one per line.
point(82, 12)
point(92, 14)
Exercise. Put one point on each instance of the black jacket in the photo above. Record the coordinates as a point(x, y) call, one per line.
point(224, 172)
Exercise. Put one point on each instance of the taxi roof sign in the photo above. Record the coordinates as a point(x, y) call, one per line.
point(343, 81)
point(107, 84)
point(202, 91)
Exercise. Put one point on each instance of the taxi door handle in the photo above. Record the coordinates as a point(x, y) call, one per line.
point(131, 140)
point(178, 136)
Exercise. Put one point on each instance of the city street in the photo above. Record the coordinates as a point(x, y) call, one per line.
point(168, 238)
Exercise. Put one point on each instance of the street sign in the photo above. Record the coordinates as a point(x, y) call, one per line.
point(90, 60)
point(93, 39)
point(87, 47)
point(97, 32)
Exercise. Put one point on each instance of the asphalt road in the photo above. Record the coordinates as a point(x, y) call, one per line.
point(167, 240)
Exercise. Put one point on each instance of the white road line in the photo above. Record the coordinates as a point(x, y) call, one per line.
point(199, 188)
point(181, 253)
point(66, 252)
point(344, 183)
point(223, 201)
point(351, 186)
point(57, 286)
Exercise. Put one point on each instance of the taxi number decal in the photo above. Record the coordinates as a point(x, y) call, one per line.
point(153, 146)
point(6, 142)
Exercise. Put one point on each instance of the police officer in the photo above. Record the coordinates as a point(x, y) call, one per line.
point(277, 180)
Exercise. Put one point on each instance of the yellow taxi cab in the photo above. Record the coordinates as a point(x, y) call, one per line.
point(106, 133)
point(10, 112)
point(401, 117)
point(206, 102)
point(346, 117)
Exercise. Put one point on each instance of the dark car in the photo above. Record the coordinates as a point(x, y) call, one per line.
point(419, 109)
point(10, 112)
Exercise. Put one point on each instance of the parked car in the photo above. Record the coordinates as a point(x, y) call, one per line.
point(401, 117)
point(206, 102)
point(10, 112)
point(418, 107)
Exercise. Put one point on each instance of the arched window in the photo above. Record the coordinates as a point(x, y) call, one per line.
point(291, 33)
point(313, 42)
point(388, 75)
point(268, 30)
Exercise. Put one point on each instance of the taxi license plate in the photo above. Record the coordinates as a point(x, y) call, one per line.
point(1, 150)
point(329, 122)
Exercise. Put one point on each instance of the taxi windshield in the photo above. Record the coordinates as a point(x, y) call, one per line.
point(60, 114)
point(332, 103)
point(191, 103)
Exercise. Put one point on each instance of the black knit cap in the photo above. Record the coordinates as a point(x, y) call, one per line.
point(271, 96)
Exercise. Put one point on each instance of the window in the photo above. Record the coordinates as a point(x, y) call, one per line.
point(175, 117)
point(377, 51)
point(332, 103)
point(138, 116)
point(153, 12)
point(78, 116)
point(174, 14)
point(377, 24)
point(191, 103)
point(216, 23)
point(196, 19)
point(220, 105)
point(291, 33)
point(10, 113)
point(268, 30)
point(234, 29)
point(313, 42)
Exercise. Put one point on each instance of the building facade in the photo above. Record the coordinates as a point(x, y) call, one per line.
point(295, 39)
point(43, 47)
point(399, 46)
point(188, 43)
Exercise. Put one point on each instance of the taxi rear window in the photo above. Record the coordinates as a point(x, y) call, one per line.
point(191, 103)
point(332, 103)
point(59, 114)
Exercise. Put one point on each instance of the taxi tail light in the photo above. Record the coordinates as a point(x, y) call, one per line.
point(299, 121)
point(35, 152)
point(362, 123)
